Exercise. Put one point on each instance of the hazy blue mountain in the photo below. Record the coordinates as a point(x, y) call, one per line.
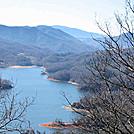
point(77, 33)
point(43, 37)
point(122, 40)
point(56, 33)
point(16, 48)
point(92, 43)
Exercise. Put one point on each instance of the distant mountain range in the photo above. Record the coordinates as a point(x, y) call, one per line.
point(92, 43)
point(77, 33)
point(44, 37)
point(25, 45)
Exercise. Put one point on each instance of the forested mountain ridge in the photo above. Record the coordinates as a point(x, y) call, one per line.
point(56, 33)
point(84, 36)
point(77, 33)
point(31, 45)
point(12, 53)
point(47, 38)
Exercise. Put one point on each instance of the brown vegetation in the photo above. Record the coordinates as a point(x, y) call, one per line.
point(56, 125)
point(111, 81)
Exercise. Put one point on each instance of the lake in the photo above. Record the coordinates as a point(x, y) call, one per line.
point(49, 99)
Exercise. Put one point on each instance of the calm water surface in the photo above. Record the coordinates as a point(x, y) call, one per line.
point(49, 99)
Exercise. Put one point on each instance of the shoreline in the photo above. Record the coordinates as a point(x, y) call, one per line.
point(53, 79)
point(74, 83)
point(18, 67)
point(61, 126)
point(69, 82)
point(46, 73)
point(43, 68)
point(75, 109)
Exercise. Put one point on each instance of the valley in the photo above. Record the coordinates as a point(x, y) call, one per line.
point(59, 52)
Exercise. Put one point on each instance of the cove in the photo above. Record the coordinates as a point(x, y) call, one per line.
point(49, 99)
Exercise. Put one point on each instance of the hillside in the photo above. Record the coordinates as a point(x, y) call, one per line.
point(46, 38)
point(92, 43)
point(57, 33)
point(67, 66)
point(77, 33)
point(12, 53)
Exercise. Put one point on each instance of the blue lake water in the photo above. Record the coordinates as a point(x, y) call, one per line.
point(49, 99)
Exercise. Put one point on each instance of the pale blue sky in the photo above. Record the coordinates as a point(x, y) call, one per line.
point(73, 13)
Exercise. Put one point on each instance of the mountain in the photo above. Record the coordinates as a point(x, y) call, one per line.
point(92, 43)
point(12, 53)
point(15, 48)
point(44, 37)
point(57, 33)
point(77, 33)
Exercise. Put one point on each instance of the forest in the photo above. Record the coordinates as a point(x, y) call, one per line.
point(107, 73)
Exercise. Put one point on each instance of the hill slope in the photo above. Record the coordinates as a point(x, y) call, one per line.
point(77, 33)
point(46, 37)
point(12, 53)
point(57, 33)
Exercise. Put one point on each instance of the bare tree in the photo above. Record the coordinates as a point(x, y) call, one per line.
point(111, 106)
point(12, 113)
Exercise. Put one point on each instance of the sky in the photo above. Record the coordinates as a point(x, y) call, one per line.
point(72, 13)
